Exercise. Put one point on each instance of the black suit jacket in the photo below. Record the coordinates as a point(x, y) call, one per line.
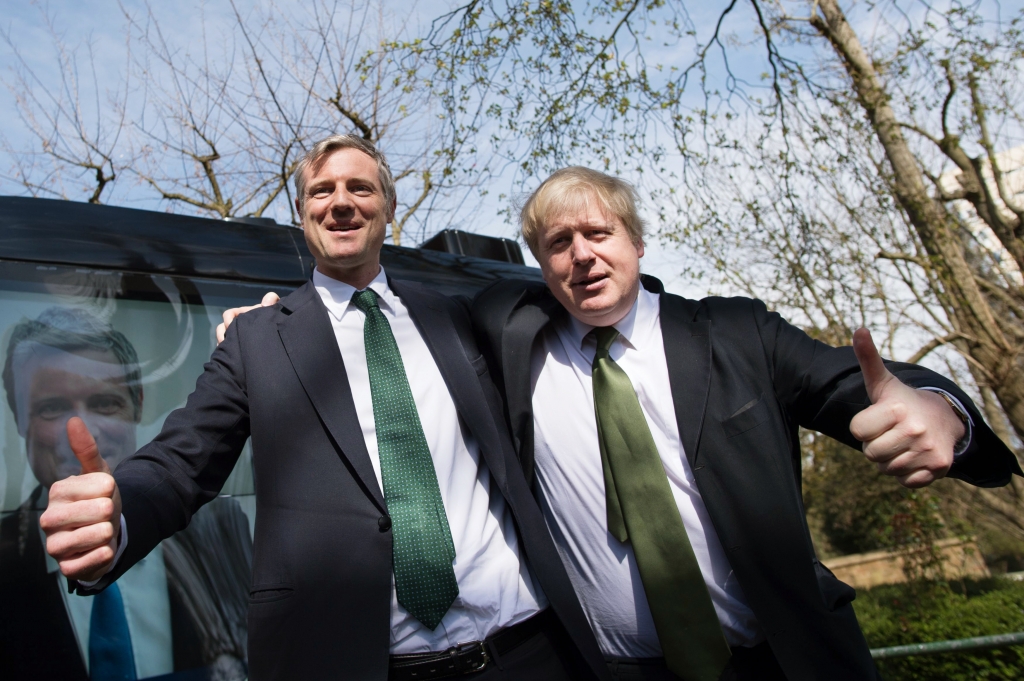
point(36, 637)
point(321, 582)
point(743, 380)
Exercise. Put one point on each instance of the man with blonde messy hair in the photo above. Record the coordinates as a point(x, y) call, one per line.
point(660, 436)
point(573, 190)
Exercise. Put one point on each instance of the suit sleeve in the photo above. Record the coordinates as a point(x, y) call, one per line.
point(168, 480)
point(821, 388)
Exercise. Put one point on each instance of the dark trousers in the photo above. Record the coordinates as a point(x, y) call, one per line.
point(747, 664)
point(540, 658)
point(547, 655)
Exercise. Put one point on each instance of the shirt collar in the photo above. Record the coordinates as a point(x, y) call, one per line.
point(634, 329)
point(337, 295)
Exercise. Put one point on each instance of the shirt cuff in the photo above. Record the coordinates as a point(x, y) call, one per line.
point(964, 442)
point(122, 542)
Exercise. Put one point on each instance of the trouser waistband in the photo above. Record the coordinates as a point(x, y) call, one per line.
point(466, 658)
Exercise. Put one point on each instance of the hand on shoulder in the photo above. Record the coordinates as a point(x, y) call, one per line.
point(229, 316)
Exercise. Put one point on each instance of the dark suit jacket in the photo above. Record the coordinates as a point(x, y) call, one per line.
point(743, 380)
point(36, 637)
point(37, 640)
point(321, 583)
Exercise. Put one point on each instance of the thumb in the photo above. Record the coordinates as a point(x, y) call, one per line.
point(84, 447)
point(876, 376)
point(270, 299)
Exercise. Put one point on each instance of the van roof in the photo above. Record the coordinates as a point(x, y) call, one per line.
point(110, 237)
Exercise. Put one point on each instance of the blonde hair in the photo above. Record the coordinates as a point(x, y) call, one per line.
point(571, 190)
point(316, 157)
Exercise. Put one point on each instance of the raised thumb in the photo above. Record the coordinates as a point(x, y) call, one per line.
point(84, 447)
point(876, 376)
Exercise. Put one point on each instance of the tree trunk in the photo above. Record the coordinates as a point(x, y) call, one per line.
point(966, 305)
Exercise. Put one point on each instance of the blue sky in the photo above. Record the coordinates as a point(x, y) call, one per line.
point(101, 24)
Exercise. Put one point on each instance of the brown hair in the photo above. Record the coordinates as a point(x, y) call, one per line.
point(71, 330)
point(316, 156)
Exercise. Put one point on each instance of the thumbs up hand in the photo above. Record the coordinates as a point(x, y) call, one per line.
point(82, 521)
point(908, 433)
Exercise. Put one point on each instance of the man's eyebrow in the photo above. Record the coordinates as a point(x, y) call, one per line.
point(365, 180)
point(316, 184)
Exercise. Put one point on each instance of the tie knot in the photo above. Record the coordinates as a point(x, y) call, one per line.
point(365, 300)
point(605, 335)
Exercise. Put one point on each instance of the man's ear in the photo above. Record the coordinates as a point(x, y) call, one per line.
point(640, 248)
point(298, 209)
point(392, 210)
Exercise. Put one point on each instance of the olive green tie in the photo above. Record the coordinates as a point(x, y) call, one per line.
point(641, 509)
point(422, 548)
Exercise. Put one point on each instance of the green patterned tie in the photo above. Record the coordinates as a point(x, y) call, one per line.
point(642, 510)
point(423, 550)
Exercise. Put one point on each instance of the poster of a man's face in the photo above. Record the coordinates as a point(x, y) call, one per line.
point(82, 344)
point(69, 363)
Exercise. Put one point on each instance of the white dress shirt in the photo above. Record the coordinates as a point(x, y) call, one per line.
point(571, 483)
point(495, 586)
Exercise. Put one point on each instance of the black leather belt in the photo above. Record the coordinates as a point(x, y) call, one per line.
point(465, 658)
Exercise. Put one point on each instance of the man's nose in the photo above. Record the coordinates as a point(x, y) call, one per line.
point(581, 252)
point(341, 200)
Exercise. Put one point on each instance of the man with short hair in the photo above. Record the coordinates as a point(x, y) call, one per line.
point(660, 436)
point(392, 521)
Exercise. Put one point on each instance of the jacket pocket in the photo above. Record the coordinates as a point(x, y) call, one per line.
point(479, 364)
point(269, 600)
point(750, 415)
point(835, 593)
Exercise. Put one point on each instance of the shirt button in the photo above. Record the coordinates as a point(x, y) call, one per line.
point(384, 523)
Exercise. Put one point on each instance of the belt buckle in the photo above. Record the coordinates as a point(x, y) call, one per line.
point(468, 648)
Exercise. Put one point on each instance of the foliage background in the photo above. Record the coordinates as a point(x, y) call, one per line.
point(902, 614)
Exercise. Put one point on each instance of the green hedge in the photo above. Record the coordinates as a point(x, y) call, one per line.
point(921, 613)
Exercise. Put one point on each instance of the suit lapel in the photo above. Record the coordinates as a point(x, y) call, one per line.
point(309, 340)
point(521, 330)
point(688, 355)
point(438, 331)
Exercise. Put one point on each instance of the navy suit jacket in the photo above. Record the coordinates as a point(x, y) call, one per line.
point(321, 583)
point(743, 380)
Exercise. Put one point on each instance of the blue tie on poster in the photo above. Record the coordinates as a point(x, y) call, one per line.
point(110, 643)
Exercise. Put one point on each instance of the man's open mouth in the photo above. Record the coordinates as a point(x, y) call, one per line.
point(589, 281)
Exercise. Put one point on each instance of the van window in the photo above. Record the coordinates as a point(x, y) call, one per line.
point(121, 350)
